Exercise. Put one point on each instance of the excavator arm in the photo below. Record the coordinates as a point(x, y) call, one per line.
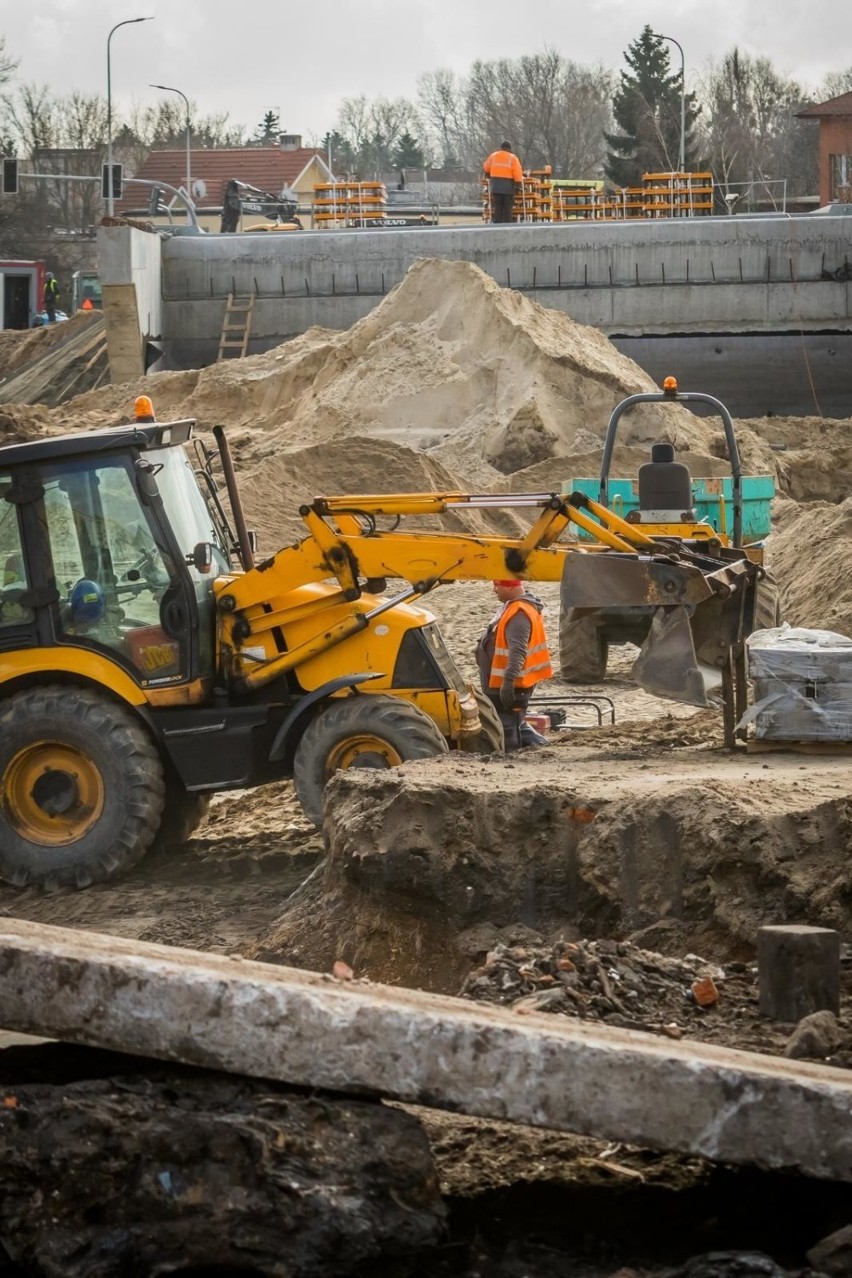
point(700, 599)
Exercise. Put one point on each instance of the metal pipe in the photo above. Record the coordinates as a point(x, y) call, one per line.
point(243, 542)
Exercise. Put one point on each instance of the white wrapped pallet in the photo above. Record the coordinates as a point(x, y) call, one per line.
point(802, 685)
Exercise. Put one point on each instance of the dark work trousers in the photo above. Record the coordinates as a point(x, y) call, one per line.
point(511, 719)
point(502, 200)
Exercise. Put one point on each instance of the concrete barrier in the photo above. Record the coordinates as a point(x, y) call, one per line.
point(311, 1030)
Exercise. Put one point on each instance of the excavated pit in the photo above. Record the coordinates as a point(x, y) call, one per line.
point(428, 866)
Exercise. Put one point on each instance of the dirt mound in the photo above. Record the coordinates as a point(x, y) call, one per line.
point(810, 556)
point(482, 379)
point(21, 422)
point(274, 490)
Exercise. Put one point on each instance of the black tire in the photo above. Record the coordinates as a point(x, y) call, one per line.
point(82, 788)
point(583, 651)
point(395, 729)
point(183, 813)
point(767, 603)
point(491, 738)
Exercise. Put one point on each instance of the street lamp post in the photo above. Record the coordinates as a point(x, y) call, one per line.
point(125, 23)
point(682, 156)
point(167, 89)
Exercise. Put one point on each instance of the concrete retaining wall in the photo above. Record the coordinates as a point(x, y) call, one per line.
point(128, 256)
point(654, 287)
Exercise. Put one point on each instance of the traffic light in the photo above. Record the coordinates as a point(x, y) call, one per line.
point(155, 202)
point(10, 175)
point(116, 182)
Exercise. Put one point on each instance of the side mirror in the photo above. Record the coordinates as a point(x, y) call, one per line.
point(201, 557)
point(252, 540)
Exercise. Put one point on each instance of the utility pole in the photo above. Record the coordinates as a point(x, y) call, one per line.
point(126, 23)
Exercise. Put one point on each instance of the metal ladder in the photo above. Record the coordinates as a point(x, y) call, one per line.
point(236, 326)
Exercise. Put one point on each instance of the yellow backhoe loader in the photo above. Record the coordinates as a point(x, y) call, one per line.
point(147, 660)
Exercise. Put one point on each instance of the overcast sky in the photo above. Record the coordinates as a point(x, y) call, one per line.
point(301, 57)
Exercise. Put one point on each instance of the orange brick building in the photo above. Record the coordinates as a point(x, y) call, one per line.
point(835, 148)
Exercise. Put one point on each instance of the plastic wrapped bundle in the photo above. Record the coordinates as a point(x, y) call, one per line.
point(802, 685)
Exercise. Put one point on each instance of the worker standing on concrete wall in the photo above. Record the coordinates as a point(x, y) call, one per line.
point(503, 169)
point(513, 657)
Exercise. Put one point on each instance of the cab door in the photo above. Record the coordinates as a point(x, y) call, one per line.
point(121, 588)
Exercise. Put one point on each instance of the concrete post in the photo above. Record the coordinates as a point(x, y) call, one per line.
point(798, 971)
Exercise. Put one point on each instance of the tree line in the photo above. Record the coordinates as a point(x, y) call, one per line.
point(584, 121)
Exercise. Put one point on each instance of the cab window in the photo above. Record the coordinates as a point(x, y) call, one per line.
point(112, 576)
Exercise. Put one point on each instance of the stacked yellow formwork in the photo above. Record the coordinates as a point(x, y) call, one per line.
point(338, 205)
point(677, 194)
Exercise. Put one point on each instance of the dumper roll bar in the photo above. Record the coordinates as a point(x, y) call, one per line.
point(678, 397)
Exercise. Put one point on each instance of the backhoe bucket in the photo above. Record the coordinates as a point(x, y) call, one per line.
point(667, 665)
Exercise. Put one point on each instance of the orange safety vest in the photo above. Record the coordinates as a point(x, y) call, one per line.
point(503, 164)
point(537, 664)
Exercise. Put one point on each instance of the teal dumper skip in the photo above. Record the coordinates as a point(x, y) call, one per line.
point(712, 501)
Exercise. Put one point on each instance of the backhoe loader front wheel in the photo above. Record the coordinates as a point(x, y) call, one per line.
point(81, 788)
point(371, 731)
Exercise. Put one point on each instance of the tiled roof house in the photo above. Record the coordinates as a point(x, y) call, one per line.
point(275, 169)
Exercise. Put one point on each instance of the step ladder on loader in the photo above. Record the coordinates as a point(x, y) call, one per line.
point(236, 327)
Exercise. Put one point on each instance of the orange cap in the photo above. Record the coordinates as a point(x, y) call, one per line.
point(143, 409)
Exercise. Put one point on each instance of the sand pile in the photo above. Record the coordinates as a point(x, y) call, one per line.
point(810, 556)
point(481, 379)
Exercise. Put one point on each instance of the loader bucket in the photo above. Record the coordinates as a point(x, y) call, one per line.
point(699, 604)
point(667, 665)
point(618, 580)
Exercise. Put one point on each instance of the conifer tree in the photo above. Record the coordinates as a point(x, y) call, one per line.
point(646, 108)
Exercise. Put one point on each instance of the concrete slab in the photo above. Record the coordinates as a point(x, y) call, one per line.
point(311, 1030)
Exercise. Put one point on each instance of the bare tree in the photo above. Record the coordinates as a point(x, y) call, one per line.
point(369, 133)
point(552, 110)
point(752, 137)
point(835, 84)
point(441, 97)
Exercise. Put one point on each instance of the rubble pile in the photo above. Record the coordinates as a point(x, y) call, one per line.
point(621, 984)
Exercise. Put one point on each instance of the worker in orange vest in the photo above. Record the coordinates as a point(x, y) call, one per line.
point(513, 657)
point(503, 169)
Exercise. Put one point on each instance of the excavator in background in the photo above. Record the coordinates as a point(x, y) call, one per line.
point(148, 659)
point(241, 198)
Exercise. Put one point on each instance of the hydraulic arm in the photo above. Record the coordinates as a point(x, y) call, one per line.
point(699, 590)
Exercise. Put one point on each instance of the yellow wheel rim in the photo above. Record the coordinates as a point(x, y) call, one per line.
point(362, 750)
point(52, 794)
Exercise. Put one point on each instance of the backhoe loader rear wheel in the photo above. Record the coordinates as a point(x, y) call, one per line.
point(368, 731)
point(81, 788)
point(583, 651)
